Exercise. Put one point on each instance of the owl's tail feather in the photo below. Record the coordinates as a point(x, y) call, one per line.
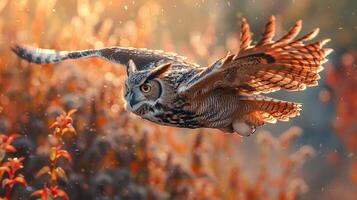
point(269, 110)
point(261, 110)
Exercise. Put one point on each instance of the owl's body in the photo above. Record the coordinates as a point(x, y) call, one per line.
point(167, 89)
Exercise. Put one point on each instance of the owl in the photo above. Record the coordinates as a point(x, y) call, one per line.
point(167, 89)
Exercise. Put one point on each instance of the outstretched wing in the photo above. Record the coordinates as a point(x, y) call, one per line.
point(143, 58)
point(266, 67)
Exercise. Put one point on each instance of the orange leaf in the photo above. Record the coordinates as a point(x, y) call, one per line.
point(53, 175)
point(21, 180)
point(71, 112)
point(37, 193)
point(53, 152)
point(43, 170)
point(4, 169)
point(61, 173)
point(68, 130)
point(10, 148)
point(54, 124)
point(65, 154)
point(41, 193)
point(5, 182)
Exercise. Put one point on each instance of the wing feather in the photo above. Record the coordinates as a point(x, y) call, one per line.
point(143, 58)
point(293, 32)
point(269, 66)
point(269, 32)
point(246, 36)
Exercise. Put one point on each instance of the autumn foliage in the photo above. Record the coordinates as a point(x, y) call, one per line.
point(61, 126)
point(342, 81)
point(9, 170)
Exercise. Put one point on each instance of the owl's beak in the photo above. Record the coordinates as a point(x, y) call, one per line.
point(135, 98)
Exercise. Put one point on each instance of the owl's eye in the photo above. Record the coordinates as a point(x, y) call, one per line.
point(146, 88)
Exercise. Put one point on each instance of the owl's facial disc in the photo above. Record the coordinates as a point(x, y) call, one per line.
point(143, 95)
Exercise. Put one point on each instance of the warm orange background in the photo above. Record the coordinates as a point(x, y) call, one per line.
point(117, 154)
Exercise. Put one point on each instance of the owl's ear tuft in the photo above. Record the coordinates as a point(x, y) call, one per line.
point(160, 70)
point(131, 67)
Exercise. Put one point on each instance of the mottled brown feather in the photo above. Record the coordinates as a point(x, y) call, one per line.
point(293, 32)
point(269, 66)
point(268, 33)
point(246, 36)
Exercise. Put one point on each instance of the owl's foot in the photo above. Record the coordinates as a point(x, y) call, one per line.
point(242, 128)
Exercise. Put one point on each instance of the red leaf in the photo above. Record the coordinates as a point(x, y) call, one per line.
point(16, 163)
point(62, 194)
point(12, 137)
point(3, 138)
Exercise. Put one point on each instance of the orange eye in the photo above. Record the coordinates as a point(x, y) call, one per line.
point(146, 88)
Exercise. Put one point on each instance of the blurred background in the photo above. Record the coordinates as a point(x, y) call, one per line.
point(119, 156)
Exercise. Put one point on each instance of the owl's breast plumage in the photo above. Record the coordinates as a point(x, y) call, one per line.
point(217, 108)
point(171, 115)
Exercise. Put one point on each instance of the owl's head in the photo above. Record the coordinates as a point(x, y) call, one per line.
point(144, 89)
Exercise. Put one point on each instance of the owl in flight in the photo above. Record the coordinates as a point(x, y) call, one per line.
point(169, 90)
